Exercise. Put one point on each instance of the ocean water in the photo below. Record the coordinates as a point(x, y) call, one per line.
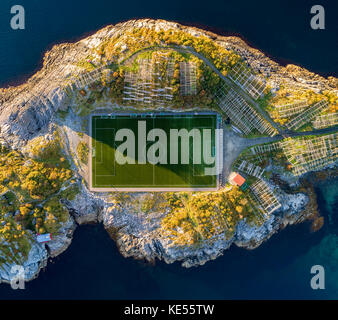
point(280, 28)
point(92, 267)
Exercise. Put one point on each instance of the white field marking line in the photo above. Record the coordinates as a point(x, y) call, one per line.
point(95, 166)
point(101, 154)
point(96, 175)
point(95, 153)
point(90, 168)
point(207, 187)
point(159, 189)
point(99, 162)
point(114, 155)
point(158, 186)
point(108, 175)
point(153, 165)
point(96, 162)
point(193, 165)
point(193, 169)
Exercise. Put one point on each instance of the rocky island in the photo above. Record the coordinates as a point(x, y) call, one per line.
point(279, 127)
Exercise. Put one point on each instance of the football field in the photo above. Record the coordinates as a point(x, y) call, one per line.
point(108, 174)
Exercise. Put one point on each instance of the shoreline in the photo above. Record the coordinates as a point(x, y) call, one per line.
point(281, 61)
point(214, 31)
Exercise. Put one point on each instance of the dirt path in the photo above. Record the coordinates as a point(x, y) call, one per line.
point(233, 145)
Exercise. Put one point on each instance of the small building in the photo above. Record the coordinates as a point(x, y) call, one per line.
point(236, 179)
point(42, 238)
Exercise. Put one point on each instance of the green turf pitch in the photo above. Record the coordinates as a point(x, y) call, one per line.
point(108, 175)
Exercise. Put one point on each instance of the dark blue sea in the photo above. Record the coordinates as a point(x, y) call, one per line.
point(92, 268)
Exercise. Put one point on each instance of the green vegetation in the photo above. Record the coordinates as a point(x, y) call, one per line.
point(48, 217)
point(70, 192)
point(277, 157)
point(87, 63)
point(144, 43)
point(83, 152)
point(265, 101)
point(287, 95)
point(154, 202)
point(29, 195)
point(140, 38)
point(202, 216)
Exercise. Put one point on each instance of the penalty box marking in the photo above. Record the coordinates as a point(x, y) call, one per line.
point(193, 165)
point(102, 161)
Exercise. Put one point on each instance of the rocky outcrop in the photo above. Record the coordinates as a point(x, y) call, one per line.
point(139, 235)
point(85, 208)
point(62, 240)
point(36, 260)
